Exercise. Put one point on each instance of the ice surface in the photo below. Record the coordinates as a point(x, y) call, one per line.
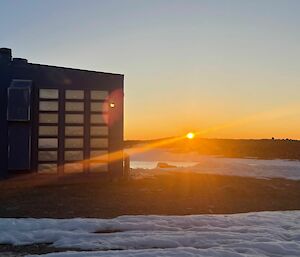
point(218, 165)
point(251, 234)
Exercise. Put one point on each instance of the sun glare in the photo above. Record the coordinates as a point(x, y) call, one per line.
point(190, 135)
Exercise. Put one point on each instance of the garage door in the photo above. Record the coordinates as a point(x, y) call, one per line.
point(73, 131)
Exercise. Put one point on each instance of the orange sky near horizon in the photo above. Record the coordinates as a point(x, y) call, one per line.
point(282, 122)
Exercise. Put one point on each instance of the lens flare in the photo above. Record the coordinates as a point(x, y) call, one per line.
point(190, 135)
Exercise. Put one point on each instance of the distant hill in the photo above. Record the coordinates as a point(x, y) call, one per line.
point(253, 148)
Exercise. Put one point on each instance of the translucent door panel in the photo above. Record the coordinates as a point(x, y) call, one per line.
point(48, 131)
point(73, 131)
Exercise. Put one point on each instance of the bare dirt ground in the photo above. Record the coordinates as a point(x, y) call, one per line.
point(175, 194)
point(19, 251)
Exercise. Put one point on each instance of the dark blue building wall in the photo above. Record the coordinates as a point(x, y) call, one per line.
point(4, 83)
point(44, 76)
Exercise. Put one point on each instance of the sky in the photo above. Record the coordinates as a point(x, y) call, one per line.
point(226, 69)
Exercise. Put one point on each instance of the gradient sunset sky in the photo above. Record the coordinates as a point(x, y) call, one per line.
point(230, 69)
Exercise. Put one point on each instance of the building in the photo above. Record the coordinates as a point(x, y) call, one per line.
point(59, 120)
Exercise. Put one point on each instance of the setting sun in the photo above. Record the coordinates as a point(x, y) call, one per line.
point(190, 135)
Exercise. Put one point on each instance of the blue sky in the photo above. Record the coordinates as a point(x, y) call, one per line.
point(188, 65)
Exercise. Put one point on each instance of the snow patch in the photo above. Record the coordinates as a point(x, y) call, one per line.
point(251, 234)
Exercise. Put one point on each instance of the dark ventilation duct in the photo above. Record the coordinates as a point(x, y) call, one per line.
point(5, 56)
point(19, 61)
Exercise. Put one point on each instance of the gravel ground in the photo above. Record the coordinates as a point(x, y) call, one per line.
point(172, 194)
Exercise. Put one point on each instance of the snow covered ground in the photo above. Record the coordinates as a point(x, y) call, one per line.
point(215, 165)
point(252, 234)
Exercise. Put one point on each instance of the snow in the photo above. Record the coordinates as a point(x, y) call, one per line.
point(250, 234)
point(256, 168)
point(177, 252)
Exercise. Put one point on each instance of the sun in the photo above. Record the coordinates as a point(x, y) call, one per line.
point(190, 135)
